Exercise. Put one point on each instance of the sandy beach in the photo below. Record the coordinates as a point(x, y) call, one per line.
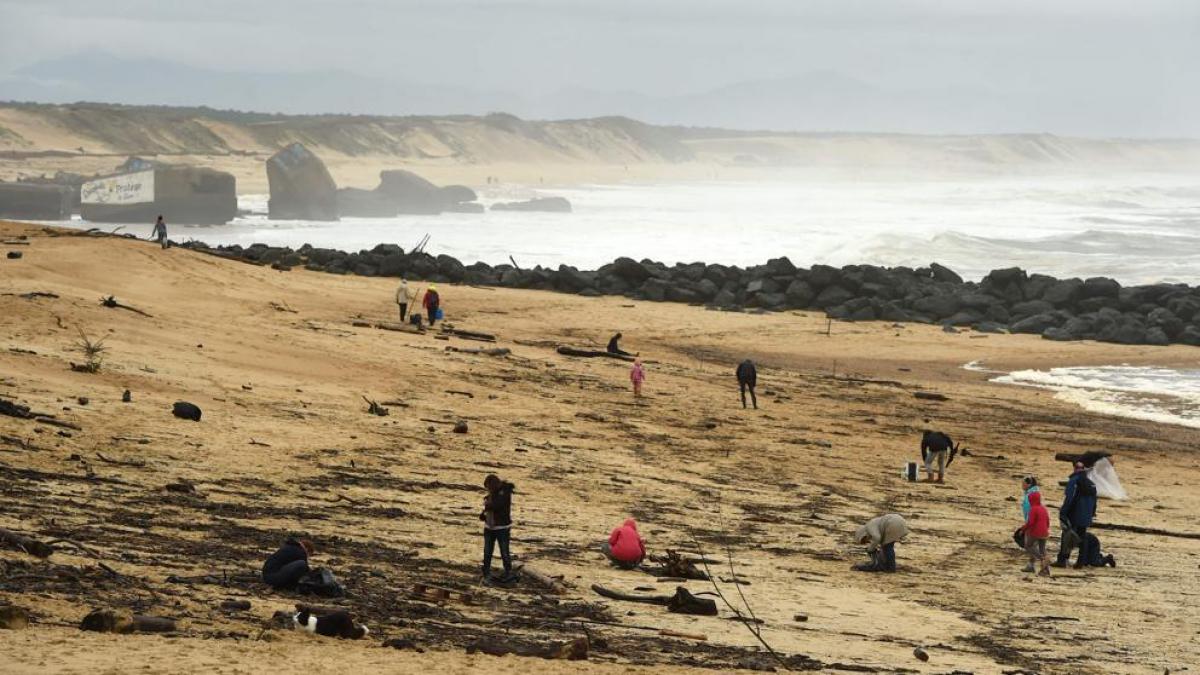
point(286, 446)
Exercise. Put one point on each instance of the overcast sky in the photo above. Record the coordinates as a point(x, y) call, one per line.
point(1145, 53)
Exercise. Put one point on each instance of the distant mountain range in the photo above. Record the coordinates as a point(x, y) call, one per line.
point(817, 101)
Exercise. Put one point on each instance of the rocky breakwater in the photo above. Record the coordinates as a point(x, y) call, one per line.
point(1006, 300)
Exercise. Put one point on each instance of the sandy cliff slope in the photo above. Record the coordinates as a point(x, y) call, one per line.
point(286, 445)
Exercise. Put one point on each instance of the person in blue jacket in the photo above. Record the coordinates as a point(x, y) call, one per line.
point(1076, 513)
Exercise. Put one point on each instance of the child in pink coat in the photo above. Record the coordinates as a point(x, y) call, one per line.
point(637, 375)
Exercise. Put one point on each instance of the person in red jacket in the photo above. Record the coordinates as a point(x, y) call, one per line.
point(1037, 530)
point(625, 547)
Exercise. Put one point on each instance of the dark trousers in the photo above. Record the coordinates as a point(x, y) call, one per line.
point(403, 311)
point(432, 314)
point(288, 575)
point(743, 386)
point(886, 558)
point(490, 539)
point(1085, 552)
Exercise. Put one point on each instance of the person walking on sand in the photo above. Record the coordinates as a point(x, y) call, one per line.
point(1037, 530)
point(637, 375)
point(403, 297)
point(935, 446)
point(880, 535)
point(747, 377)
point(160, 233)
point(287, 566)
point(497, 526)
point(1076, 513)
point(625, 547)
point(615, 348)
point(432, 303)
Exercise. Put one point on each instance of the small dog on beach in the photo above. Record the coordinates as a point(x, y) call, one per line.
point(338, 624)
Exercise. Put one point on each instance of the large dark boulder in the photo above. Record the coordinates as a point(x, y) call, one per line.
point(707, 290)
point(630, 270)
point(1029, 308)
point(692, 272)
point(1185, 307)
point(780, 267)
point(450, 268)
point(548, 204)
point(1162, 318)
point(1064, 293)
point(655, 289)
point(799, 294)
point(1007, 284)
point(571, 280)
point(358, 203)
point(832, 296)
point(301, 186)
point(1126, 330)
point(822, 276)
point(1101, 287)
point(938, 306)
point(1039, 323)
point(944, 274)
point(409, 193)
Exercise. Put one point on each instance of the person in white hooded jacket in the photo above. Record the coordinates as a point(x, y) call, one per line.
point(403, 298)
point(880, 536)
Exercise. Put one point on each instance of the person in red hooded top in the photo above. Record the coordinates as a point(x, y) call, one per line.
point(1037, 530)
point(625, 547)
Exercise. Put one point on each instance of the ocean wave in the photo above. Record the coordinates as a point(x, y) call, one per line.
point(1165, 395)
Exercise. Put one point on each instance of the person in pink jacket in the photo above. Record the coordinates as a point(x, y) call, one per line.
point(637, 375)
point(625, 547)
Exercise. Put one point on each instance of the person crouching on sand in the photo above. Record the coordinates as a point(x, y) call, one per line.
point(287, 566)
point(880, 535)
point(1037, 530)
point(497, 525)
point(625, 547)
point(637, 375)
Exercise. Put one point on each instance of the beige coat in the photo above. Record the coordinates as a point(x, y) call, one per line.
point(881, 531)
point(403, 295)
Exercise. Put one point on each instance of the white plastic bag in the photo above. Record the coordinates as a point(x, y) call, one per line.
point(1104, 475)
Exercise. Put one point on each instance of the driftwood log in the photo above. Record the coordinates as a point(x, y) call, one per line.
point(573, 650)
point(1137, 529)
point(468, 334)
point(387, 325)
point(112, 303)
point(1088, 458)
point(683, 602)
point(591, 353)
point(19, 542)
point(930, 396)
point(553, 584)
point(122, 621)
point(487, 351)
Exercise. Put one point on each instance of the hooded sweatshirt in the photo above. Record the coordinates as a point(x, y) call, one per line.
point(1025, 501)
point(881, 531)
point(626, 544)
point(1037, 525)
point(497, 508)
point(290, 552)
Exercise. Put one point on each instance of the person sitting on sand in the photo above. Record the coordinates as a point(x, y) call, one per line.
point(1076, 513)
point(614, 348)
point(403, 297)
point(880, 536)
point(160, 232)
point(935, 445)
point(431, 302)
point(287, 566)
point(497, 525)
point(747, 377)
point(625, 547)
point(637, 375)
point(1037, 531)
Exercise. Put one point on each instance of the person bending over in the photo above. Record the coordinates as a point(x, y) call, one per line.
point(880, 535)
point(625, 547)
point(287, 566)
point(935, 447)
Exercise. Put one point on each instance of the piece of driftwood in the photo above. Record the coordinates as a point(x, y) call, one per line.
point(120, 462)
point(1137, 529)
point(20, 542)
point(460, 393)
point(1088, 458)
point(631, 597)
point(555, 585)
point(54, 422)
point(374, 408)
point(235, 605)
point(566, 350)
point(112, 303)
point(573, 650)
point(387, 325)
point(121, 621)
point(492, 351)
point(930, 396)
point(17, 410)
point(682, 602)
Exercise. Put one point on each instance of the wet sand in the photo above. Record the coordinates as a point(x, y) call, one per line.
point(393, 500)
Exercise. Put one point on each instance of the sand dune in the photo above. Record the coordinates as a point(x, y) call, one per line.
point(780, 489)
point(91, 138)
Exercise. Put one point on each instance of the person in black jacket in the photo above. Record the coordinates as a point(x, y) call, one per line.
point(615, 348)
point(497, 524)
point(287, 566)
point(747, 377)
point(1076, 514)
point(935, 445)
